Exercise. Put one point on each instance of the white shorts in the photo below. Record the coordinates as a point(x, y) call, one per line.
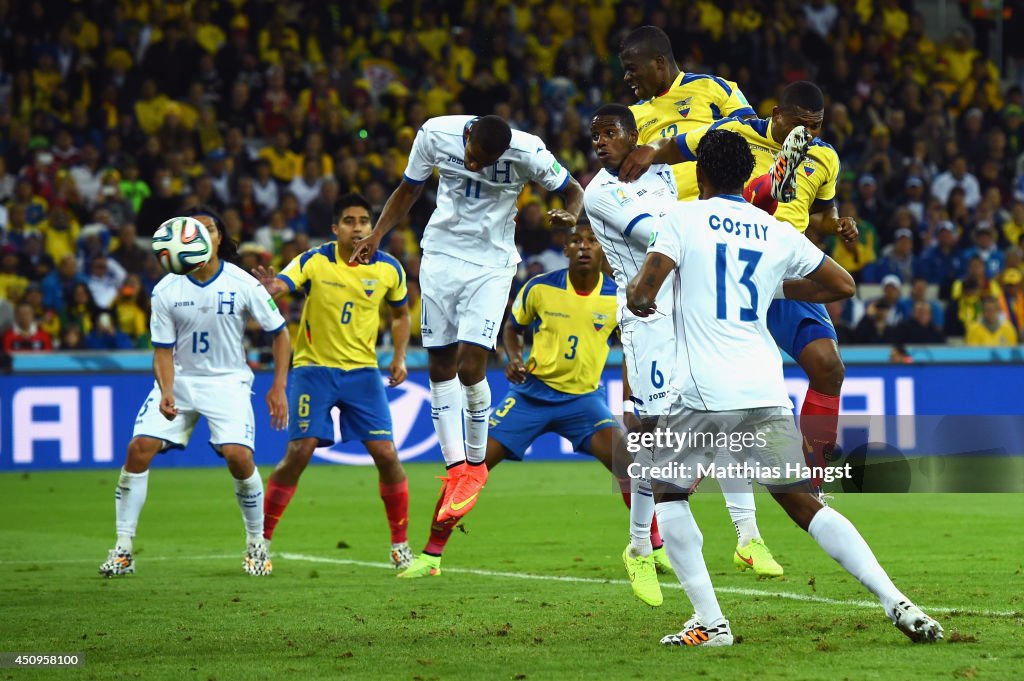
point(648, 350)
point(462, 302)
point(226, 402)
point(762, 444)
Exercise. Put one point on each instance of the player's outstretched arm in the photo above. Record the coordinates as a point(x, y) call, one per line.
point(638, 162)
point(828, 283)
point(277, 400)
point(268, 277)
point(568, 218)
point(395, 210)
point(827, 221)
point(644, 287)
point(400, 339)
point(515, 370)
point(163, 369)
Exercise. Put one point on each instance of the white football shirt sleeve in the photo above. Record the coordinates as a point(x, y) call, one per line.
point(805, 257)
point(264, 310)
point(618, 208)
point(667, 240)
point(545, 170)
point(421, 158)
point(161, 326)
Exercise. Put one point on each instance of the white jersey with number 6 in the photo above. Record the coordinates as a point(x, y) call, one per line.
point(730, 258)
point(205, 321)
point(475, 215)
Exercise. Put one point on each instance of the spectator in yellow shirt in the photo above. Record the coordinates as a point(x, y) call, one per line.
point(992, 330)
point(283, 161)
point(151, 107)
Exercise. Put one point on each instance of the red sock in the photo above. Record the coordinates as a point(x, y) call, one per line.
point(656, 541)
point(274, 503)
point(396, 506)
point(440, 532)
point(819, 421)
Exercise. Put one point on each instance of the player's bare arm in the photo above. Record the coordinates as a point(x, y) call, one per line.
point(568, 217)
point(828, 283)
point(277, 400)
point(644, 156)
point(512, 339)
point(395, 210)
point(824, 219)
point(629, 419)
point(268, 277)
point(642, 291)
point(400, 340)
point(163, 369)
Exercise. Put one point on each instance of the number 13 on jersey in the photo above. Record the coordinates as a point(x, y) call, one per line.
point(751, 258)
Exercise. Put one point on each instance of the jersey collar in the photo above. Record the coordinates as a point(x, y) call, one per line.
point(204, 284)
point(732, 197)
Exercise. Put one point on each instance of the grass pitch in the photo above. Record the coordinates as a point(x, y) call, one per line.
point(533, 590)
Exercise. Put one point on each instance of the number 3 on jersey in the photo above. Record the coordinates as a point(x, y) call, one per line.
point(751, 257)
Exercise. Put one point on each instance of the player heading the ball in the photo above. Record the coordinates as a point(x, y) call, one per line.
point(469, 259)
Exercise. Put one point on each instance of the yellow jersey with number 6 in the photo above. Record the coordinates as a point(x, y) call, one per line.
point(695, 100)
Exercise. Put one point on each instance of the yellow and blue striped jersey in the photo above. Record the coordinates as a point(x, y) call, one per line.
point(815, 181)
point(694, 101)
point(571, 330)
point(341, 317)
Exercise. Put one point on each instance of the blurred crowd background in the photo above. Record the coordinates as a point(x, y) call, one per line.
point(115, 116)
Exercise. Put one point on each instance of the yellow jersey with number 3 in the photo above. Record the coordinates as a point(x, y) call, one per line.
point(341, 316)
point(694, 101)
point(815, 180)
point(570, 330)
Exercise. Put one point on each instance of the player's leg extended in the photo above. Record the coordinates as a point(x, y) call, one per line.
point(428, 563)
point(284, 481)
point(819, 416)
point(683, 541)
point(249, 492)
point(394, 492)
point(841, 540)
point(129, 498)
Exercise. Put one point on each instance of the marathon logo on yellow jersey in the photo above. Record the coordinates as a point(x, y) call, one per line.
point(683, 107)
point(599, 320)
point(653, 121)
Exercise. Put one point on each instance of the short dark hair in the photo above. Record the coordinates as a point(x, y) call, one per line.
point(802, 94)
point(725, 160)
point(648, 41)
point(228, 250)
point(351, 200)
point(492, 133)
point(620, 112)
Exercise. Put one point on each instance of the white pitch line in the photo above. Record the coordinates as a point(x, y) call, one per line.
point(739, 591)
point(672, 585)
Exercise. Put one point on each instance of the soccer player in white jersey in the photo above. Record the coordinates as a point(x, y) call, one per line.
point(197, 324)
point(623, 215)
point(469, 259)
point(730, 259)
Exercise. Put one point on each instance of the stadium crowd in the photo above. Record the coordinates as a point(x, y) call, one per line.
point(115, 116)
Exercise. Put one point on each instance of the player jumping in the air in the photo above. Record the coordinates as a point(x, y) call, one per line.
point(556, 390)
point(786, 147)
point(469, 259)
point(729, 259)
point(672, 103)
point(336, 364)
point(197, 326)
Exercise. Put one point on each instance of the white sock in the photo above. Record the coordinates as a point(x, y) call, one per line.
point(683, 542)
point(250, 499)
point(744, 515)
point(477, 411)
point(641, 511)
point(843, 542)
point(129, 498)
point(446, 410)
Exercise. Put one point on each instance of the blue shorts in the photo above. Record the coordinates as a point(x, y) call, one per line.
point(519, 419)
point(794, 323)
point(358, 394)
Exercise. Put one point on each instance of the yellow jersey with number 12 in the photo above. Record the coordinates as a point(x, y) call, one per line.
point(695, 100)
point(341, 316)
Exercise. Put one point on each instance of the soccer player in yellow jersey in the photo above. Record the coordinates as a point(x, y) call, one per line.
point(557, 389)
point(335, 364)
point(673, 102)
point(803, 330)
